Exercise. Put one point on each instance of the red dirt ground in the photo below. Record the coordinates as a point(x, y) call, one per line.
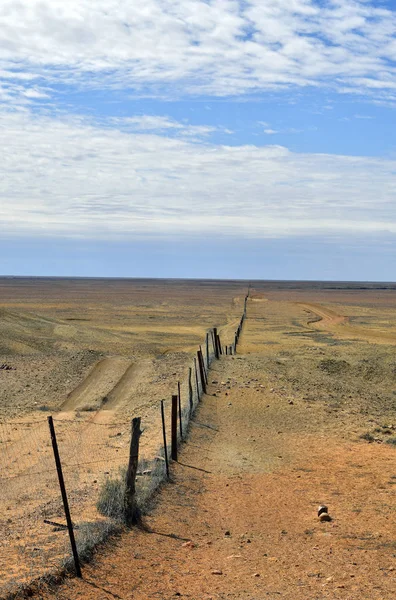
point(245, 493)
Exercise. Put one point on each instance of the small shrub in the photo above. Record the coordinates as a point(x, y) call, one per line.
point(88, 537)
point(367, 436)
point(333, 366)
point(88, 408)
point(111, 497)
point(146, 486)
point(391, 441)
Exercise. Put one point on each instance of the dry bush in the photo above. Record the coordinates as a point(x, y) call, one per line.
point(111, 497)
point(151, 474)
point(89, 536)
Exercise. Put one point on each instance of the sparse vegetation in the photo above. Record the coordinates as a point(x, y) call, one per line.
point(89, 536)
point(111, 497)
point(367, 436)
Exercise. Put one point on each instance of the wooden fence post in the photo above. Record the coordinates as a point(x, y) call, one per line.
point(207, 351)
point(164, 437)
point(174, 428)
point(180, 410)
point(132, 513)
point(203, 365)
point(219, 345)
point(196, 378)
point(215, 342)
point(64, 497)
point(201, 371)
point(190, 391)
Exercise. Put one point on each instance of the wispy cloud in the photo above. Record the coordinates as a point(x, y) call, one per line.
point(195, 47)
point(68, 177)
point(162, 124)
point(269, 131)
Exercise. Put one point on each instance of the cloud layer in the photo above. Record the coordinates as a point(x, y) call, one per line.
point(68, 177)
point(179, 47)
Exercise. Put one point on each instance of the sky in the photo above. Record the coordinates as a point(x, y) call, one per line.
point(249, 139)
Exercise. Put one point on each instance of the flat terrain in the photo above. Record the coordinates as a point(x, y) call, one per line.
point(54, 332)
point(94, 354)
point(303, 415)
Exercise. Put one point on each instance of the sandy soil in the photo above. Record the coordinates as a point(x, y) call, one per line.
point(93, 354)
point(278, 434)
point(54, 333)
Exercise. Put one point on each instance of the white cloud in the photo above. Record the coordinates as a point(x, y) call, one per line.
point(71, 178)
point(365, 117)
point(162, 124)
point(149, 123)
point(269, 131)
point(222, 47)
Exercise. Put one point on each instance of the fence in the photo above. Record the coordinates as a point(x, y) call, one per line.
point(94, 453)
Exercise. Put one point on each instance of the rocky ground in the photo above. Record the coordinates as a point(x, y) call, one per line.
point(282, 430)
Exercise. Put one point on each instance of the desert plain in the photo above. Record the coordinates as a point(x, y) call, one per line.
point(302, 415)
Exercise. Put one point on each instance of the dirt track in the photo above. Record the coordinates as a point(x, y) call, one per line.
point(331, 320)
point(260, 459)
point(102, 379)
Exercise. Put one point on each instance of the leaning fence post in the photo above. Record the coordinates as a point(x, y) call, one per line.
point(201, 371)
point(164, 437)
point(196, 378)
point(174, 428)
point(180, 410)
point(203, 365)
point(64, 497)
point(132, 513)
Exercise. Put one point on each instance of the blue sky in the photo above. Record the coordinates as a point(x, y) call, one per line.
point(192, 138)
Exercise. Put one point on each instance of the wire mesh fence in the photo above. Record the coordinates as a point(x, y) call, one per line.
point(94, 453)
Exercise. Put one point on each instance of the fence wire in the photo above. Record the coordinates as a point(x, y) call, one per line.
point(93, 452)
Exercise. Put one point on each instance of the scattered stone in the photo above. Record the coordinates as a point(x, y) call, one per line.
point(322, 509)
point(188, 544)
point(291, 402)
point(324, 517)
point(217, 572)
point(256, 575)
